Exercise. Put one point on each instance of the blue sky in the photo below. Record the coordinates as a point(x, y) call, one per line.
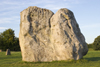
point(87, 14)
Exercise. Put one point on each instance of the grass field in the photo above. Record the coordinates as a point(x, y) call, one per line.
point(92, 59)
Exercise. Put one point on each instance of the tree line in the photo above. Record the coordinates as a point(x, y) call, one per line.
point(96, 44)
point(9, 41)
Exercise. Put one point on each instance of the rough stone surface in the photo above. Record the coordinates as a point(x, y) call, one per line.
point(45, 36)
point(8, 52)
point(66, 36)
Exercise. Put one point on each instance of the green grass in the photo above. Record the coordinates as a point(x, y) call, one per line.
point(92, 59)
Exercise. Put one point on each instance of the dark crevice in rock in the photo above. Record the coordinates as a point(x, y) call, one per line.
point(34, 37)
point(68, 26)
point(66, 33)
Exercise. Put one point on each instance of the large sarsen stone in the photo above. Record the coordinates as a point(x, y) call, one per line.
point(45, 36)
point(66, 36)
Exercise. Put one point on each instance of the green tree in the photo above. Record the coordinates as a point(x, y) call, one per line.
point(90, 45)
point(96, 43)
point(16, 46)
point(1, 41)
point(8, 40)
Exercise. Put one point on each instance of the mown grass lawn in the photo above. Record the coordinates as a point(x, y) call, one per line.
point(92, 59)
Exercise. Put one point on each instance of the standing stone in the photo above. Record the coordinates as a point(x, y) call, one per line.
point(66, 36)
point(8, 52)
point(45, 36)
point(34, 34)
point(0, 50)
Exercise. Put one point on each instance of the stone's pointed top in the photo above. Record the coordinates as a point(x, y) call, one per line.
point(35, 6)
point(65, 10)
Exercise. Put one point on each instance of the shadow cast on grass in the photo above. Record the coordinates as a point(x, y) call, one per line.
point(93, 59)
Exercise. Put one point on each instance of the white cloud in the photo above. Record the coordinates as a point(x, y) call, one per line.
point(9, 19)
point(73, 1)
point(8, 3)
point(8, 13)
point(96, 25)
point(3, 28)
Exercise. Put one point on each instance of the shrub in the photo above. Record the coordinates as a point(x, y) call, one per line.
point(96, 43)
